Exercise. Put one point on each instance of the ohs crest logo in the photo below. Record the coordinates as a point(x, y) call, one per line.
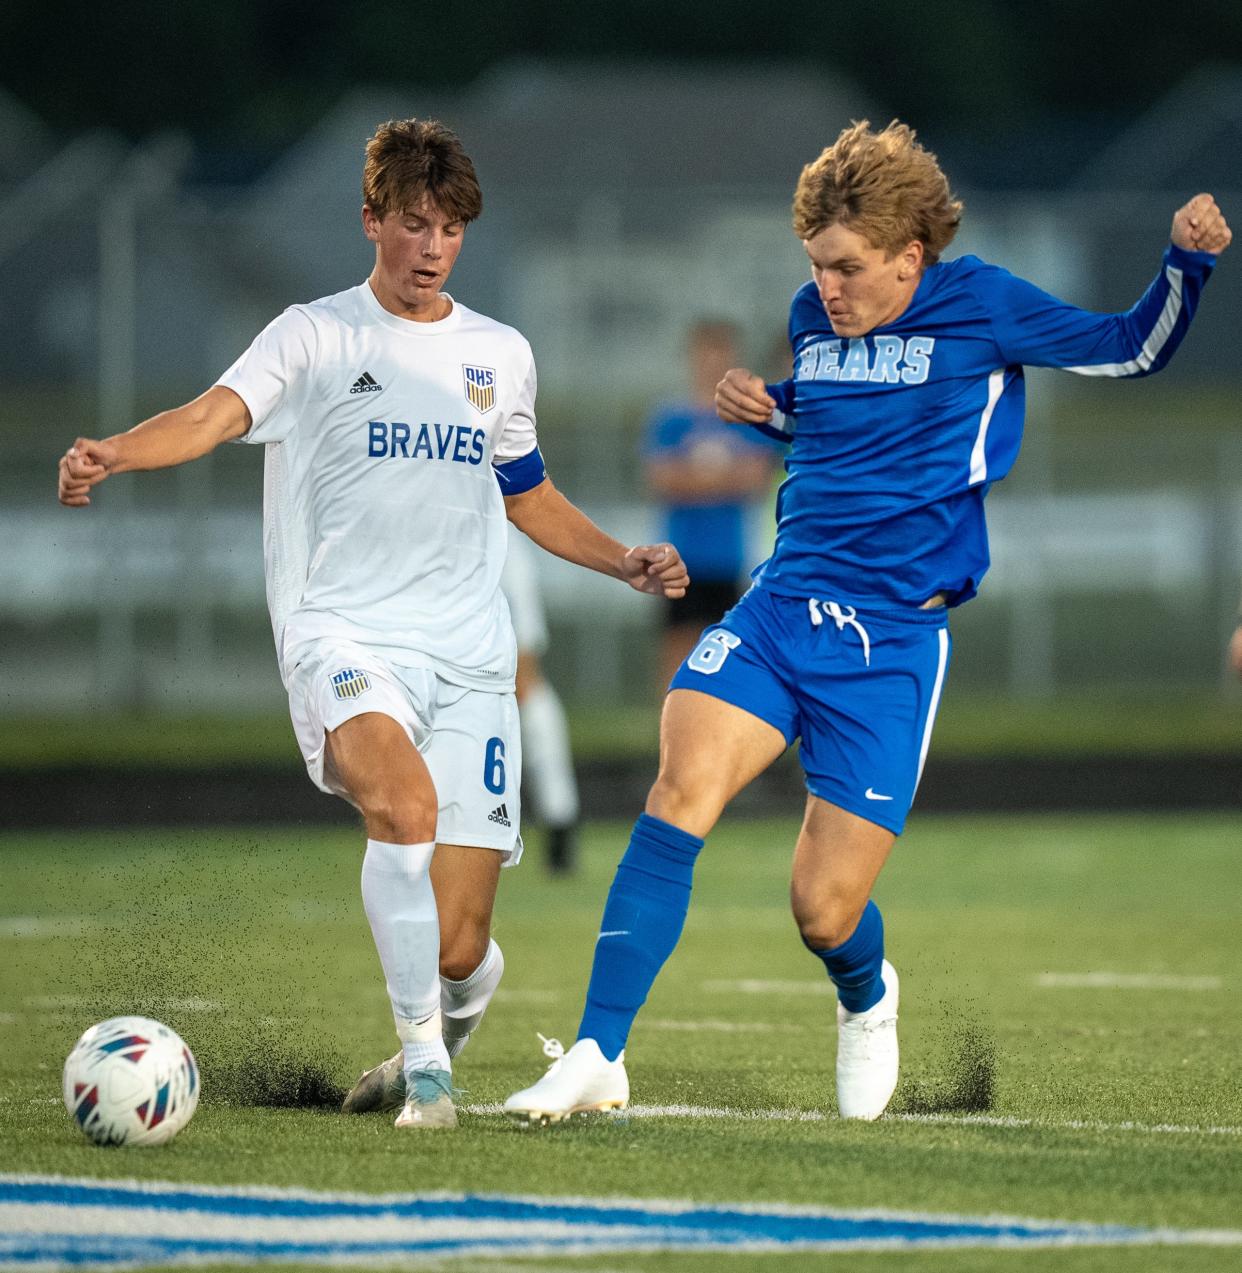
point(349, 682)
point(480, 387)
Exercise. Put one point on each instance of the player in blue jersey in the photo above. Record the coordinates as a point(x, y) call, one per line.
point(707, 476)
point(1235, 644)
point(905, 404)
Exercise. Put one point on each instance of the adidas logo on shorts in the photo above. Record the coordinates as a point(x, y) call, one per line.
point(366, 383)
point(500, 815)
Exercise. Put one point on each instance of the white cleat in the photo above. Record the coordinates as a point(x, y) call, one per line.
point(580, 1081)
point(867, 1054)
point(430, 1103)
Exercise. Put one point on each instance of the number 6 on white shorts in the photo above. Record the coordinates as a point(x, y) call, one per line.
point(710, 653)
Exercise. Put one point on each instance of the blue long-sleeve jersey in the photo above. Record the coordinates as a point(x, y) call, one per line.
point(897, 435)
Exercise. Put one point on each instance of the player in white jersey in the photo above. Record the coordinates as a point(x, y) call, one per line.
point(400, 434)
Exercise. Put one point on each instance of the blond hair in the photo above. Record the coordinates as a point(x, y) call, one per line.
point(411, 161)
point(884, 186)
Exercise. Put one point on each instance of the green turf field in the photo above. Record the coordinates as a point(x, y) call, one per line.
point(1118, 1102)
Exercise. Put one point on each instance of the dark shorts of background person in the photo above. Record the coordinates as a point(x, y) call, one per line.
point(705, 602)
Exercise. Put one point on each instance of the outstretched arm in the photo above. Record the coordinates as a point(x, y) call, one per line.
point(561, 528)
point(1037, 329)
point(165, 440)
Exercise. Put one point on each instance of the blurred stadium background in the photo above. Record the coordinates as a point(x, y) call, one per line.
point(175, 179)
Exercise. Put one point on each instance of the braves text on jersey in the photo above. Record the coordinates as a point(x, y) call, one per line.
point(389, 446)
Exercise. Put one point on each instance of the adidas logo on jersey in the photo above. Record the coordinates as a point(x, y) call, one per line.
point(500, 815)
point(366, 383)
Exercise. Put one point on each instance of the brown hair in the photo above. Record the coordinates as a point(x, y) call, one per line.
point(410, 160)
point(884, 186)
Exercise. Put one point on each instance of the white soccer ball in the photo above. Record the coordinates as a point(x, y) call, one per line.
point(131, 1081)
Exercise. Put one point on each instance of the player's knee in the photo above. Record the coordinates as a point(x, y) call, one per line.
point(824, 920)
point(681, 799)
point(398, 817)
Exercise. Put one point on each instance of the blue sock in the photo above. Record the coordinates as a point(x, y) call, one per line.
point(643, 919)
point(854, 965)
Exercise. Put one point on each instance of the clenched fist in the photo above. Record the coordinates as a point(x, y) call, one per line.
point(85, 464)
point(1200, 226)
point(656, 568)
point(741, 398)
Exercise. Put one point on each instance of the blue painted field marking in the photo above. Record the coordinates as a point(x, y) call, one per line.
point(53, 1222)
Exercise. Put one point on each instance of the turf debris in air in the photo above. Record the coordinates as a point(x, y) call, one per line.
point(965, 1083)
point(260, 1069)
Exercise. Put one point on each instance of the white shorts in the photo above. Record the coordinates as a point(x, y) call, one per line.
point(469, 739)
point(520, 582)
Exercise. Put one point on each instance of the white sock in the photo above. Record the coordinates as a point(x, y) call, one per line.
point(397, 895)
point(545, 757)
point(463, 1003)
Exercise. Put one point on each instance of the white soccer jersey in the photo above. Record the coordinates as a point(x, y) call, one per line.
point(384, 521)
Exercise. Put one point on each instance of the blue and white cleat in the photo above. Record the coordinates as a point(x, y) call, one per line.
point(580, 1081)
point(430, 1102)
point(867, 1054)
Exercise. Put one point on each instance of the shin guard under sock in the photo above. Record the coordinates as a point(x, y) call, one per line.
point(643, 919)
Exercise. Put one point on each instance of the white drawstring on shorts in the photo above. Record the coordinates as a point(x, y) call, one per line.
point(843, 618)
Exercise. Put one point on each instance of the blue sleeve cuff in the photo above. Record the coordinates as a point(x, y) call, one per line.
point(522, 474)
point(1193, 262)
point(783, 395)
point(781, 427)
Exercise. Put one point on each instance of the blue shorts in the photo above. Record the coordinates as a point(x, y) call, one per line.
point(859, 687)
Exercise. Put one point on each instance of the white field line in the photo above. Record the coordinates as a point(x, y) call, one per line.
point(1069, 1124)
point(1124, 981)
point(76, 1003)
point(722, 1027)
point(753, 986)
point(107, 1220)
point(951, 1120)
point(17, 926)
point(1045, 980)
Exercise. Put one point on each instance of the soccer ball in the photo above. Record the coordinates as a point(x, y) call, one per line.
point(131, 1081)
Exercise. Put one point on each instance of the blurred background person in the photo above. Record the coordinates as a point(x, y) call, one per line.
point(1235, 644)
point(547, 764)
point(705, 476)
